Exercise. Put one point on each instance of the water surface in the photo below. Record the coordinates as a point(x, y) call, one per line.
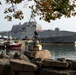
point(62, 51)
point(58, 51)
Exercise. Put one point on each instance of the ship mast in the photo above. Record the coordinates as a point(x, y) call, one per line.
point(32, 17)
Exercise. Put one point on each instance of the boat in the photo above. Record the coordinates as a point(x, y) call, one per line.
point(4, 45)
point(26, 30)
point(9, 44)
point(13, 45)
point(57, 37)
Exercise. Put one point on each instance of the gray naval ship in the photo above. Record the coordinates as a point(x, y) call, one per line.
point(57, 36)
point(26, 31)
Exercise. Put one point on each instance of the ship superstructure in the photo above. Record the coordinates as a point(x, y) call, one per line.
point(26, 30)
point(23, 31)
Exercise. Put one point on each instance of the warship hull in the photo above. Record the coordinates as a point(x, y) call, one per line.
point(58, 40)
point(59, 37)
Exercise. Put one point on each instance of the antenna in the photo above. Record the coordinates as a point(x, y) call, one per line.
point(52, 25)
point(32, 17)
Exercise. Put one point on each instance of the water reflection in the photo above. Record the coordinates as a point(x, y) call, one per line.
point(62, 51)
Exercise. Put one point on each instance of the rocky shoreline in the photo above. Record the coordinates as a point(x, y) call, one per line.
point(35, 63)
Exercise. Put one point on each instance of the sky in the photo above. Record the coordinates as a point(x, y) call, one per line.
point(68, 24)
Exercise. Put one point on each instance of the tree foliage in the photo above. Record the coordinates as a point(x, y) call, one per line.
point(17, 14)
point(46, 9)
point(53, 9)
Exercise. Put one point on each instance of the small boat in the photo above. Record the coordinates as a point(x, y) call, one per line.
point(13, 46)
point(9, 44)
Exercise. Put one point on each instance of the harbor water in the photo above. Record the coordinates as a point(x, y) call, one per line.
point(62, 51)
point(57, 51)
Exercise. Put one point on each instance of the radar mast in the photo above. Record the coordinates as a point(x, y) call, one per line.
point(32, 17)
